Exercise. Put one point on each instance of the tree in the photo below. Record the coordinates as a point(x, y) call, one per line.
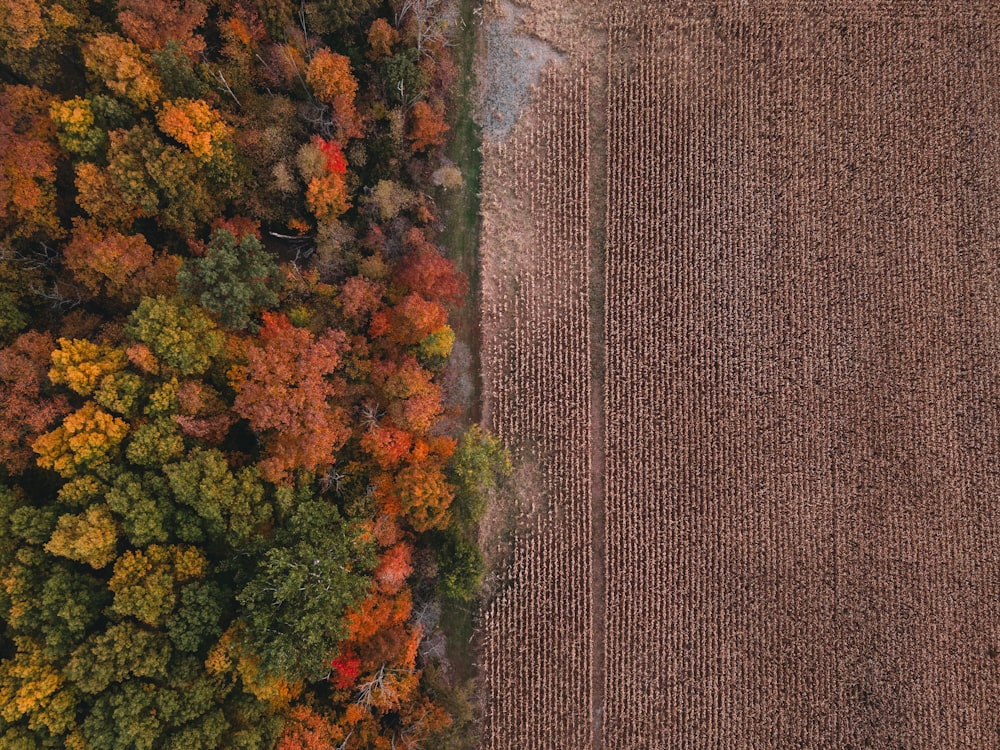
point(479, 463)
point(231, 504)
point(394, 567)
point(329, 16)
point(289, 390)
point(426, 272)
point(107, 262)
point(194, 124)
point(32, 687)
point(359, 298)
point(410, 321)
point(382, 37)
point(89, 537)
point(296, 599)
point(327, 197)
point(405, 81)
point(35, 34)
point(235, 279)
point(86, 438)
point(424, 495)
point(182, 338)
point(28, 160)
point(155, 443)
point(460, 566)
point(152, 25)
point(26, 411)
point(435, 348)
point(144, 508)
point(19, 280)
point(205, 415)
point(82, 365)
point(387, 445)
point(149, 178)
point(330, 76)
point(79, 133)
point(427, 126)
point(388, 199)
point(146, 583)
point(309, 730)
point(124, 68)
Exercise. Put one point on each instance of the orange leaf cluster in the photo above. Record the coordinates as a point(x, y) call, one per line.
point(288, 390)
point(427, 126)
point(382, 37)
point(153, 23)
point(309, 730)
point(331, 78)
point(424, 495)
point(387, 445)
point(425, 271)
point(196, 125)
point(394, 567)
point(360, 297)
point(124, 69)
point(27, 163)
point(327, 197)
point(106, 262)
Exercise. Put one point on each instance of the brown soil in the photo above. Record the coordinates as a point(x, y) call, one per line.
point(792, 451)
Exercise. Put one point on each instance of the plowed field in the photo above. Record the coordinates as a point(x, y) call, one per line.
point(741, 319)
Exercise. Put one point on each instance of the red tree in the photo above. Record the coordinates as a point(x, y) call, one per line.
point(394, 567)
point(387, 445)
point(289, 391)
point(425, 271)
point(24, 412)
point(427, 126)
point(106, 262)
point(153, 23)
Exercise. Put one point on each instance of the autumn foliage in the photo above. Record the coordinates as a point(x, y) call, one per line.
point(427, 126)
point(331, 78)
point(288, 390)
point(224, 319)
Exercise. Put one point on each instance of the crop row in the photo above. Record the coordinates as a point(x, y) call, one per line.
point(538, 630)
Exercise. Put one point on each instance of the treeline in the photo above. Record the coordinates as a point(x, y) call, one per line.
point(229, 507)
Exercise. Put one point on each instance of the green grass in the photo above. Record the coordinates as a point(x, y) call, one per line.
point(460, 237)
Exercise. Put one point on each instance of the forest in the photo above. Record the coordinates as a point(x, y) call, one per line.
point(233, 495)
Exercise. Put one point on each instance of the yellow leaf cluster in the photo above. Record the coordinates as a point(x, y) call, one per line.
point(73, 115)
point(145, 582)
point(81, 365)
point(326, 196)
point(89, 537)
point(86, 437)
point(30, 686)
point(122, 66)
point(196, 125)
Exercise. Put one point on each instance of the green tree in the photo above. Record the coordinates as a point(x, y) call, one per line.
point(328, 16)
point(146, 582)
point(295, 602)
point(405, 81)
point(181, 337)
point(460, 565)
point(141, 502)
point(235, 279)
point(479, 463)
point(124, 651)
point(231, 504)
